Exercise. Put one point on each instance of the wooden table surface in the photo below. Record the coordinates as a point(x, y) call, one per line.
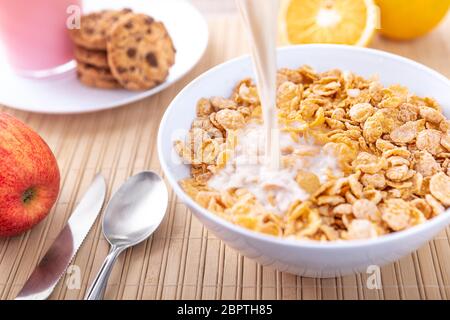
point(182, 259)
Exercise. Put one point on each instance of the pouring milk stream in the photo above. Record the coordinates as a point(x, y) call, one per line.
point(257, 161)
point(260, 20)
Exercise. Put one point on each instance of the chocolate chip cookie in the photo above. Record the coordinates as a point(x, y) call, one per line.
point(96, 58)
point(94, 28)
point(98, 83)
point(140, 52)
point(94, 72)
point(96, 77)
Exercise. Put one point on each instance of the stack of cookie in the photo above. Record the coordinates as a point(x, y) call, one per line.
point(122, 49)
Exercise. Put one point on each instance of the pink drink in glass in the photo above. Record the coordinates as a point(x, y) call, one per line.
point(34, 35)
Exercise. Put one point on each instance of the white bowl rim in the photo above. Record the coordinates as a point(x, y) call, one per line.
point(310, 244)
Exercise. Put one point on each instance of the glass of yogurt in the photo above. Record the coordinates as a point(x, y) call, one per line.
point(34, 35)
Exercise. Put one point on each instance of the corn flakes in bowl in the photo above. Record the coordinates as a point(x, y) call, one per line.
point(365, 158)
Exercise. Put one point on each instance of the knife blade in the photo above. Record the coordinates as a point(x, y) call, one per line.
point(52, 266)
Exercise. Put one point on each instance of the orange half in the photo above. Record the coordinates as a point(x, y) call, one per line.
point(351, 22)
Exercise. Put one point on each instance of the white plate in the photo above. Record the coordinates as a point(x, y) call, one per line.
point(65, 94)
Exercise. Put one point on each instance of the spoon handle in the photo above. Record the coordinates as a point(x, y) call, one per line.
point(97, 288)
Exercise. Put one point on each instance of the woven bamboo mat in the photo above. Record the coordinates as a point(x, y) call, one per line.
point(183, 260)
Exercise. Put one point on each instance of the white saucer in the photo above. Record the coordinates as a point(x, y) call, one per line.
point(65, 94)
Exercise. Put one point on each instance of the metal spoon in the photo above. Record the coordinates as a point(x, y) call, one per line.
point(132, 215)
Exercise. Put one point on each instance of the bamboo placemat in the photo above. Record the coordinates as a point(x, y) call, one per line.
point(183, 260)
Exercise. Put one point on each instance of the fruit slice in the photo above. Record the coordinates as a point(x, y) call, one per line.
point(351, 22)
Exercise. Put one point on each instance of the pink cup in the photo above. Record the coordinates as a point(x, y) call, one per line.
point(34, 35)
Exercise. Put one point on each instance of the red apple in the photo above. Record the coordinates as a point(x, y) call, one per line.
point(29, 177)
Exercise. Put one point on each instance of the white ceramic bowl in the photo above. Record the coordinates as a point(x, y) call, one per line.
point(304, 258)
